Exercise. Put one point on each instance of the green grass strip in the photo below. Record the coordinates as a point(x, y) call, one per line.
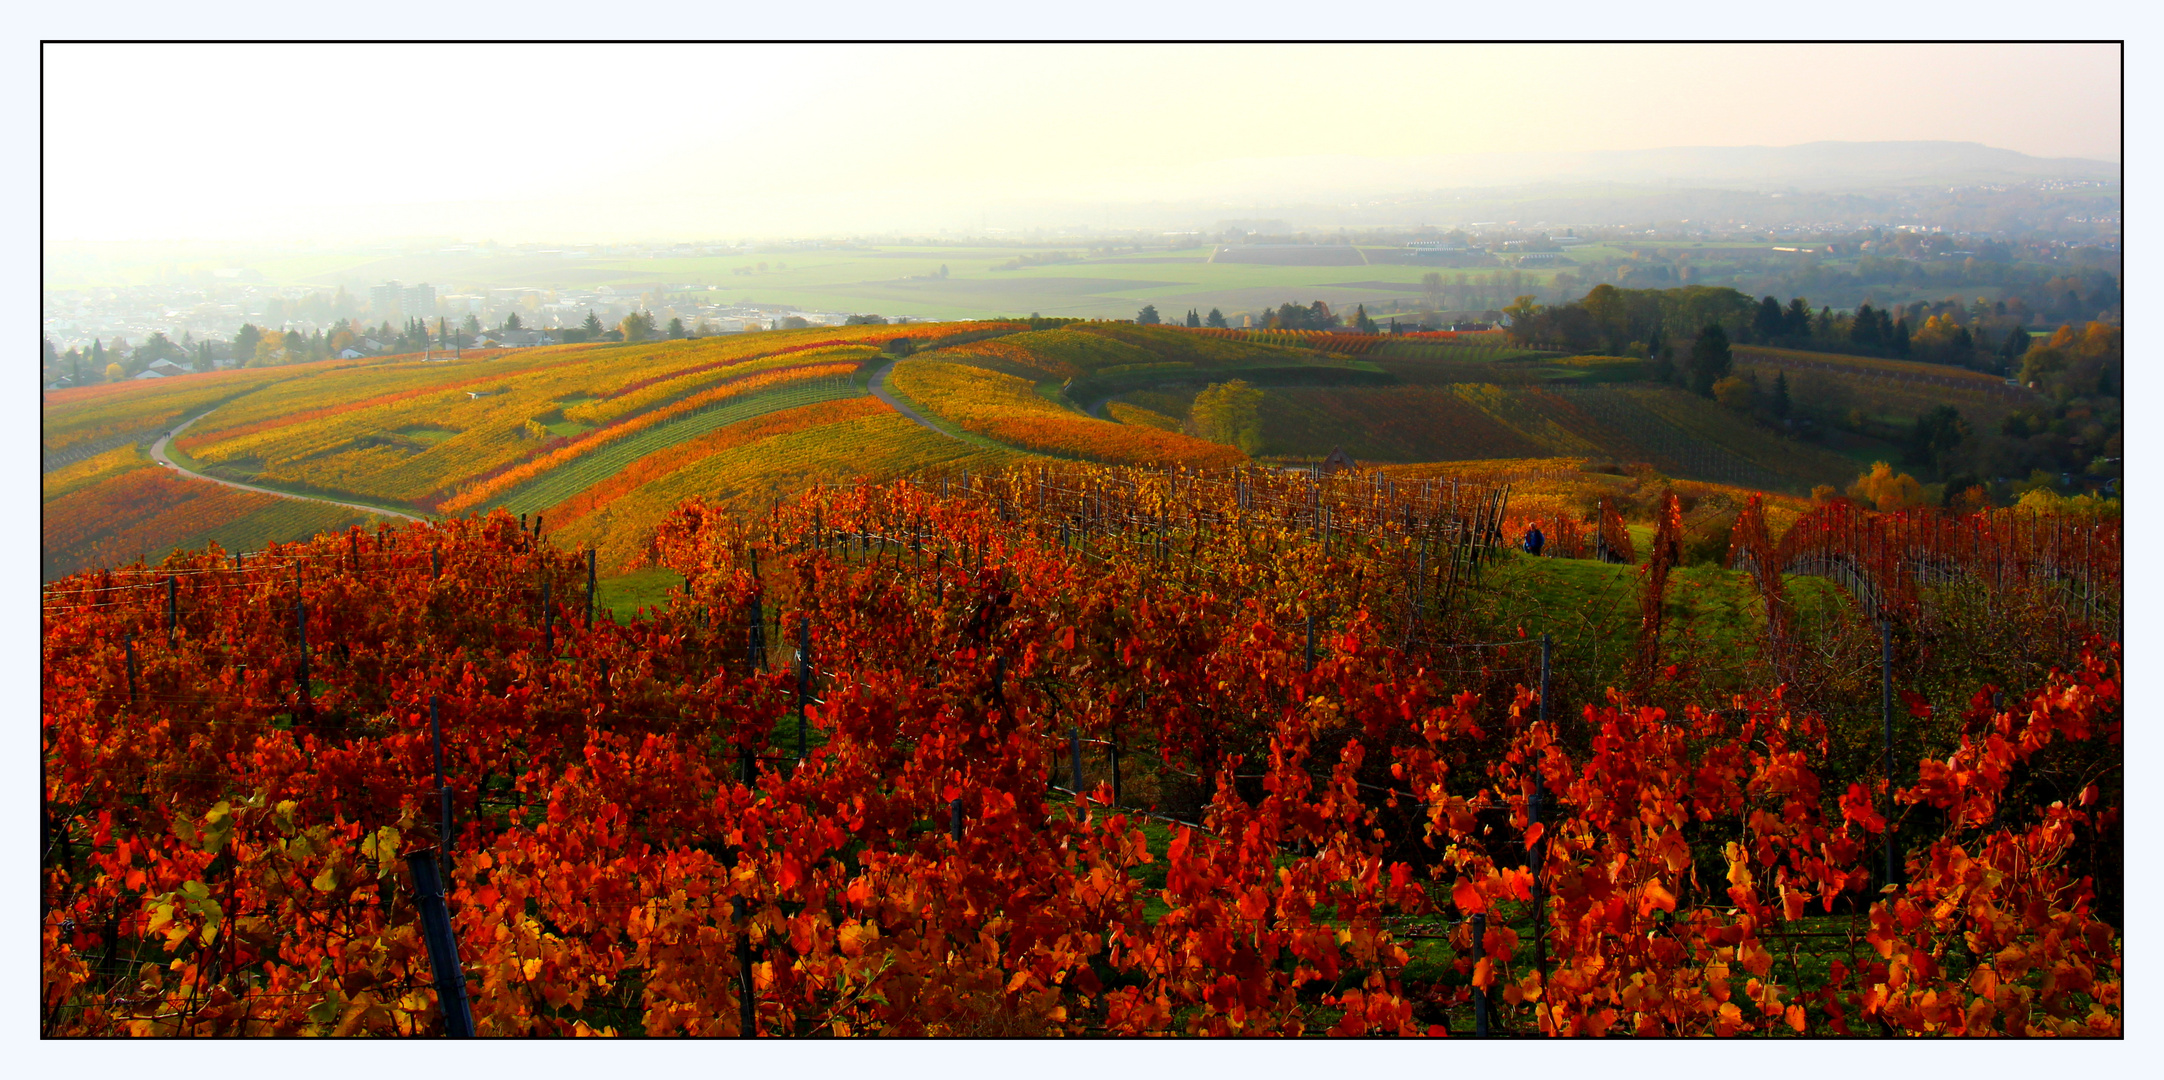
point(559, 484)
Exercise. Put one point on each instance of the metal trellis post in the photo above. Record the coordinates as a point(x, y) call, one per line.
point(1480, 995)
point(307, 701)
point(747, 1015)
point(1885, 683)
point(442, 946)
point(803, 685)
point(443, 793)
point(1074, 762)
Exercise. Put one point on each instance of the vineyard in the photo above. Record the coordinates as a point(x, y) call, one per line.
point(1895, 389)
point(583, 470)
point(1085, 750)
point(1467, 348)
point(1434, 345)
point(1678, 434)
point(660, 463)
point(607, 437)
point(1009, 411)
point(751, 464)
point(1409, 424)
point(138, 511)
point(349, 426)
point(110, 415)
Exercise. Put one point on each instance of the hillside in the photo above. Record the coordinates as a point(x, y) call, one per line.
point(601, 441)
point(1893, 391)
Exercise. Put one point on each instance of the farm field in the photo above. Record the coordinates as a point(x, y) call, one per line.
point(1239, 753)
point(904, 279)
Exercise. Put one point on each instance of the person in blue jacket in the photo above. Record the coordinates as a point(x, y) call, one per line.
point(1533, 540)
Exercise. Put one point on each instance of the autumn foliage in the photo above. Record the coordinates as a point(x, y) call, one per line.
point(636, 845)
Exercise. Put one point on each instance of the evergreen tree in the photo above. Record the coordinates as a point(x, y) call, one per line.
point(2016, 343)
point(1781, 403)
point(676, 329)
point(1710, 360)
point(244, 342)
point(592, 325)
point(1901, 338)
point(1797, 322)
point(1194, 318)
point(1215, 318)
point(1863, 330)
point(510, 322)
point(1771, 321)
point(1147, 316)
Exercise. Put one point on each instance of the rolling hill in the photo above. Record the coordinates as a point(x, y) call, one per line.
point(601, 441)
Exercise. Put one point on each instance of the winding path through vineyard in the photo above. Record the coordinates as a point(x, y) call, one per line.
point(878, 386)
point(157, 453)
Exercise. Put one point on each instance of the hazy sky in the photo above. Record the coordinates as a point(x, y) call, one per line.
point(593, 142)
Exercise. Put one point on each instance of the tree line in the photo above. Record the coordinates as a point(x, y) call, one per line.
point(1287, 316)
point(1650, 323)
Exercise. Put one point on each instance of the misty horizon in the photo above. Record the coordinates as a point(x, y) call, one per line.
point(768, 142)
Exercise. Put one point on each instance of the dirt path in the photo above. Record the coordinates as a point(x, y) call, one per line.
point(878, 386)
point(157, 453)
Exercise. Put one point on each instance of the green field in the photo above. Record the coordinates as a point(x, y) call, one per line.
point(903, 280)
